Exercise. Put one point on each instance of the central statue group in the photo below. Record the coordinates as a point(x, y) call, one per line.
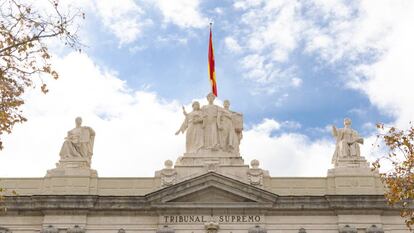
point(212, 128)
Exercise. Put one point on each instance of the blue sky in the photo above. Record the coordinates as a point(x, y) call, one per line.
point(178, 70)
point(293, 68)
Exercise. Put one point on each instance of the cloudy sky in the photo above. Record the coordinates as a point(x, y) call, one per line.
point(293, 68)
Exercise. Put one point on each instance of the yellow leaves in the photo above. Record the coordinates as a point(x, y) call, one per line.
point(400, 179)
point(44, 88)
point(24, 56)
point(46, 69)
point(54, 74)
point(45, 55)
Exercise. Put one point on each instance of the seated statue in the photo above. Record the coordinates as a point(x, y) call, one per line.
point(347, 142)
point(78, 143)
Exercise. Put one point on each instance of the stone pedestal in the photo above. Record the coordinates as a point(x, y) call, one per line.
point(357, 162)
point(352, 176)
point(71, 176)
point(72, 167)
point(194, 164)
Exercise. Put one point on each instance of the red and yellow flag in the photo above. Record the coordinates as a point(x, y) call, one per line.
point(211, 70)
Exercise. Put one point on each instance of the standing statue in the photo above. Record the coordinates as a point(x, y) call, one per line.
point(78, 143)
point(229, 141)
point(193, 123)
point(237, 119)
point(347, 142)
point(210, 124)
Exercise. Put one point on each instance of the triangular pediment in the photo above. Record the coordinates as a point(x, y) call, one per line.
point(211, 195)
point(211, 188)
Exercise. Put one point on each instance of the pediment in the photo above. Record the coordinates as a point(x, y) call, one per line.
point(211, 195)
point(211, 188)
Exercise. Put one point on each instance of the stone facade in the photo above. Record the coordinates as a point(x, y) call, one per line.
point(198, 204)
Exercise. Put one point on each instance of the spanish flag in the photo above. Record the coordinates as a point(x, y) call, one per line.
point(211, 70)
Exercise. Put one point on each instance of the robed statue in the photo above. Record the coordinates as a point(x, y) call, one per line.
point(347, 142)
point(229, 140)
point(212, 128)
point(193, 124)
point(210, 124)
point(78, 142)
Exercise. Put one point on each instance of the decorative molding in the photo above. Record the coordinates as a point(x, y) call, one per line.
point(374, 229)
point(302, 230)
point(212, 227)
point(76, 229)
point(168, 174)
point(4, 230)
point(49, 229)
point(348, 229)
point(257, 229)
point(165, 229)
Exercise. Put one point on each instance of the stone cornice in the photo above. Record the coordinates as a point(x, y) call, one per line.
point(328, 204)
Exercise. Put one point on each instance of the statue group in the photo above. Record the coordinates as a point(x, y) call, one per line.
point(211, 127)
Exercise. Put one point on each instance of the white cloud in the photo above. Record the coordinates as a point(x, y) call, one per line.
point(130, 125)
point(171, 40)
point(269, 31)
point(296, 82)
point(183, 13)
point(266, 127)
point(124, 18)
point(374, 39)
point(244, 4)
point(287, 154)
point(232, 44)
point(218, 10)
point(389, 80)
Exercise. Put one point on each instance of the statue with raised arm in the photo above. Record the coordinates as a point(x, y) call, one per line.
point(347, 142)
point(78, 143)
point(193, 124)
point(229, 140)
point(210, 124)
